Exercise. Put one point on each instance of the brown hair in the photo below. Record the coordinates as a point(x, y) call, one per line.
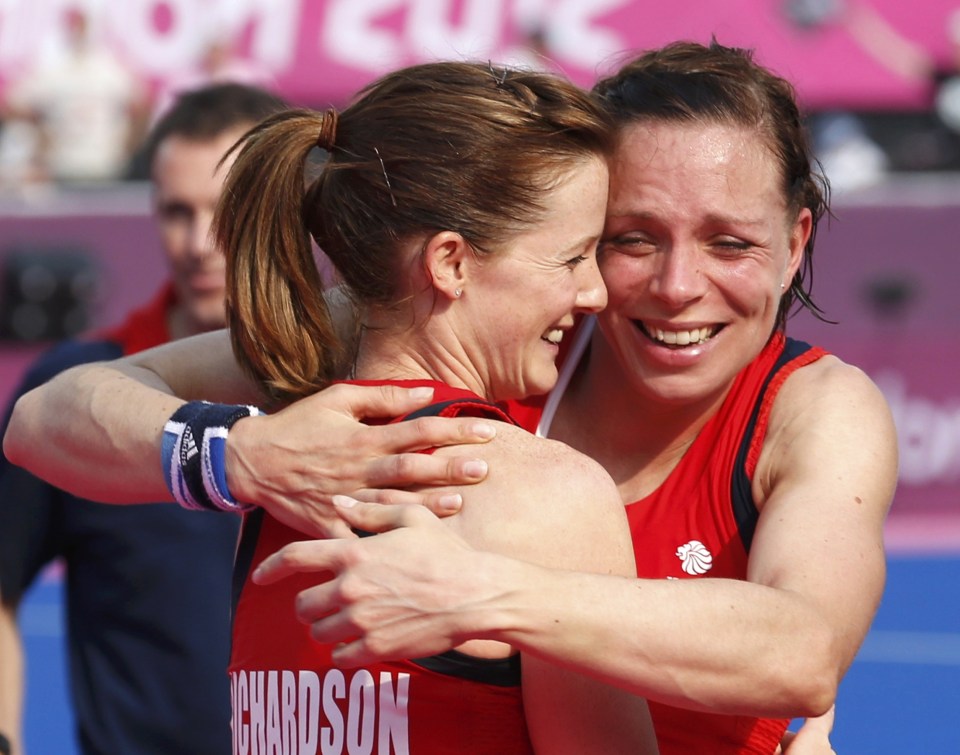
point(690, 82)
point(465, 147)
point(209, 112)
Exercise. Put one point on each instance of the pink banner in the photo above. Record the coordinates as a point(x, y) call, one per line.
point(321, 51)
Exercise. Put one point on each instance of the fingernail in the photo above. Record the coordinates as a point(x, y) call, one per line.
point(421, 394)
point(476, 469)
point(344, 501)
point(483, 430)
point(451, 502)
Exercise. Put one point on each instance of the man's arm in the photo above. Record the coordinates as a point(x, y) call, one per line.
point(776, 645)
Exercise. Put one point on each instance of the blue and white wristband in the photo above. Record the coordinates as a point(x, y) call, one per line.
point(193, 455)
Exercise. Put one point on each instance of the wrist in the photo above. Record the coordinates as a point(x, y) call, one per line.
point(193, 451)
point(240, 446)
point(499, 611)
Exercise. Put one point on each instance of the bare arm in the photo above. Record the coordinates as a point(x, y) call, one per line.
point(777, 644)
point(11, 678)
point(95, 431)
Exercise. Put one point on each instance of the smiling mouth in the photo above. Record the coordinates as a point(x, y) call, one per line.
point(554, 336)
point(679, 339)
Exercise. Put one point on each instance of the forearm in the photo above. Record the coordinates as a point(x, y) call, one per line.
point(11, 678)
point(716, 645)
point(95, 431)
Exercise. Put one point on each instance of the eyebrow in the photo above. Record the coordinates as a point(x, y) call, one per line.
point(710, 219)
point(583, 242)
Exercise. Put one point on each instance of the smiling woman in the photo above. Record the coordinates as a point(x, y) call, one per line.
point(462, 206)
point(454, 297)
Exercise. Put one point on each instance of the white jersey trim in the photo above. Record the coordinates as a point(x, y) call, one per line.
point(566, 373)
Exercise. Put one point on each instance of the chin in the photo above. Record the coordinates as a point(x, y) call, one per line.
point(541, 386)
point(205, 319)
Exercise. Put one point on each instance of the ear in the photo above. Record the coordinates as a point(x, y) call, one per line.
point(799, 236)
point(446, 259)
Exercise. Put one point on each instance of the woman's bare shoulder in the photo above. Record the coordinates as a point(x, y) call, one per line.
point(546, 502)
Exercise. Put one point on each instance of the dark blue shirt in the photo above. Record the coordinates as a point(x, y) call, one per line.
point(148, 601)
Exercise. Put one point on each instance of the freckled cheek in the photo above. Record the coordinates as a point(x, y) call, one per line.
point(625, 278)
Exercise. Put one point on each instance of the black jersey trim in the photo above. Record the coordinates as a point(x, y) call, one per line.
point(246, 549)
point(745, 511)
point(458, 407)
point(499, 672)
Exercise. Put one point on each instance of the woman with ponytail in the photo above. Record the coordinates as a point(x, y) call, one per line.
point(461, 206)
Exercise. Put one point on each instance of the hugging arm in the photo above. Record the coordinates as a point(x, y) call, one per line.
point(777, 643)
point(95, 431)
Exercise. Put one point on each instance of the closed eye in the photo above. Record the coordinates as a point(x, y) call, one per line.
point(731, 246)
point(628, 244)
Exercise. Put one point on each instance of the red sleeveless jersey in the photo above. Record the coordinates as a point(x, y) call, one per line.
point(699, 523)
point(288, 698)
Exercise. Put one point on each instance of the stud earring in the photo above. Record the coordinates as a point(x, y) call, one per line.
point(458, 292)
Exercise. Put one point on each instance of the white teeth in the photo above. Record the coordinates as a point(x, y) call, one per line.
point(554, 336)
point(682, 337)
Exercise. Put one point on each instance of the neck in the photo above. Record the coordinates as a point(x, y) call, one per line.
point(179, 324)
point(414, 354)
point(638, 437)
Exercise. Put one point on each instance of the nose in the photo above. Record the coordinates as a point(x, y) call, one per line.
point(678, 279)
point(592, 294)
point(201, 240)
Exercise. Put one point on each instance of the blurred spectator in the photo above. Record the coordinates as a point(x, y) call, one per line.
point(87, 109)
point(850, 159)
point(938, 147)
point(20, 168)
point(147, 587)
point(218, 63)
point(533, 52)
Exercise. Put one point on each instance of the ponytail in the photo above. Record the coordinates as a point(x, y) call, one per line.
point(280, 326)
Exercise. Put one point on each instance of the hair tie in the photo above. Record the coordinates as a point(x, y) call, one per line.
point(328, 130)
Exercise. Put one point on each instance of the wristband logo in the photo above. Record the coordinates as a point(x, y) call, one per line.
point(188, 446)
point(288, 712)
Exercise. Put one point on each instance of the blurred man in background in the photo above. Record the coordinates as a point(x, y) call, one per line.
point(86, 107)
point(147, 587)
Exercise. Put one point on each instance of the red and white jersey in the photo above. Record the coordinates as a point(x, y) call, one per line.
point(699, 523)
point(288, 698)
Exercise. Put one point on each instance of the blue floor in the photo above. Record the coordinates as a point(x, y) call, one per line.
point(903, 691)
point(899, 698)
